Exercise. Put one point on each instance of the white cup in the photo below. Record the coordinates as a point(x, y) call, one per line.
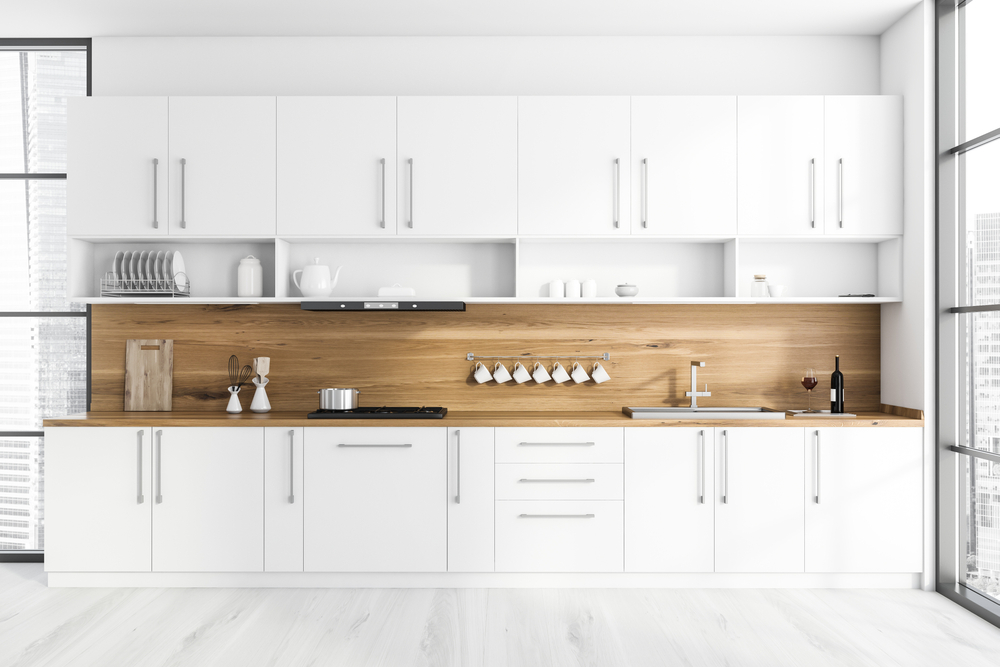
point(579, 373)
point(776, 290)
point(573, 289)
point(521, 374)
point(559, 373)
point(540, 374)
point(589, 289)
point(500, 373)
point(599, 374)
point(482, 373)
point(557, 289)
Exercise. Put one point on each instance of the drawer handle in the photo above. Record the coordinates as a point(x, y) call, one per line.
point(557, 480)
point(558, 444)
point(555, 516)
point(138, 466)
point(347, 445)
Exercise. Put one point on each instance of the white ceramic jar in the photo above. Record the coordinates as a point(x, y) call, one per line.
point(758, 287)
point(250, 277)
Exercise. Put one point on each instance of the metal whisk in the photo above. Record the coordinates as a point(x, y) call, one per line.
point(234, 371)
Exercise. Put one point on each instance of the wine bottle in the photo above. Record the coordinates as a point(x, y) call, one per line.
point(837, 390)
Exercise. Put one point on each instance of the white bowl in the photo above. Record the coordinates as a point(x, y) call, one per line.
point(626, 290)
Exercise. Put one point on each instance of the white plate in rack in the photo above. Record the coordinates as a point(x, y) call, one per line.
point(158, 267)
point(178, 271)
point(116, 265)
point(143, 257)
point(126, 272)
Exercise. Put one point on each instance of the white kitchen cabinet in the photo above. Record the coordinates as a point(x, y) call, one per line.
point(684, 165)
point(470, 500)
point(781, 165)
point(376, 499)
point(283, 499)
point(573, 166)
point(208, 499)
point(568, 444)
point(336, 166)
point(222, 166)
point(560, 481)
point(864, 500)
point(759, 511)
point(669, 499)
point(457, 166)
point(97, 499)
point(864, 164)
point(117, 166)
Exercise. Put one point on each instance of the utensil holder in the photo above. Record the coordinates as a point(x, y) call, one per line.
point(234, 406)
point(260, 402)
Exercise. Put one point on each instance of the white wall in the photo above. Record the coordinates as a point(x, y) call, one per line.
point(484, 65)
point(908, 371)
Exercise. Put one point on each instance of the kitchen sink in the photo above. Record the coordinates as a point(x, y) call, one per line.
point(703, 413)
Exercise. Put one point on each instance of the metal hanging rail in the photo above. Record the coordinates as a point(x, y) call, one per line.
point(473, 357)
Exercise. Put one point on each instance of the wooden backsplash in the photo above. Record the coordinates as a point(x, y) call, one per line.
point(754, 355)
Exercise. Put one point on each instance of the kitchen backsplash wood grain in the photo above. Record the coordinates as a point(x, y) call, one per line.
point(754, 354)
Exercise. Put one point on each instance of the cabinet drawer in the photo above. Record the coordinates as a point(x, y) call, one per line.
point(559, 536)
point(560, 445)
point(559, 481)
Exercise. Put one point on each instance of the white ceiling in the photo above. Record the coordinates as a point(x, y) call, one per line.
point(102, 18)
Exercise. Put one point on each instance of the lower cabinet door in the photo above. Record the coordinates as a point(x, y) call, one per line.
point(669, 499)
point(864, 500)
point(283, 500)
point(759, 512)
point(208, 506)
point(470, 500)
point(376, 499)
point(559, 535)
point(97, 499)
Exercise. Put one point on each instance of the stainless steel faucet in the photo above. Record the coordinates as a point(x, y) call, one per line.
point(694, 393)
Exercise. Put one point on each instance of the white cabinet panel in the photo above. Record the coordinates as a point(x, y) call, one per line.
point(560, 445)
point(228, 182)
point(457, 165)
point(759, 511)
point(864, 164)
point(669, 499)
point(113, 142)
point(684, 165)
point(283, 499)
point(336, 165)
point(97, 499)
point(559, 535)
point(376, 499)
point(781, 165)
point(208, 505)
point(864, 500)
point(573, 166)
point(560, 481)
point(470, 500)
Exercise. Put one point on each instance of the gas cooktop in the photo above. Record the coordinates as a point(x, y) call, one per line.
point(381, 413)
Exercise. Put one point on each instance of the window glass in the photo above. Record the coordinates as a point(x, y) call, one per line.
point(22, 509)
point(980, 172)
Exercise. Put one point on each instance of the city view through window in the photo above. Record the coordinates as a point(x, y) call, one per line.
point(42, 358)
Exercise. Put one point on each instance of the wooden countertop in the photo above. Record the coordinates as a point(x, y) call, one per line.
point(466, 419)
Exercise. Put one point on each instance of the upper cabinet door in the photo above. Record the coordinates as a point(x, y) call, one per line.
point(336, 159)
point(457, 165)
point(864, 164)
point(781, 165)
point(684, 161)
point(222, 162)
point(573, 164)
point(117, 169)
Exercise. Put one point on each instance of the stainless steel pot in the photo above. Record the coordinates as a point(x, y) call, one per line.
point(338, 399)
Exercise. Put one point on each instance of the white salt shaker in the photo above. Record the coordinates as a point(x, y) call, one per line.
point(250, 277)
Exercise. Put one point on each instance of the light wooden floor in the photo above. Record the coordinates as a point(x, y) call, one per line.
point(346, 627)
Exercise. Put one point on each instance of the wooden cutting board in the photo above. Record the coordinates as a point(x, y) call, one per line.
point(149, 375)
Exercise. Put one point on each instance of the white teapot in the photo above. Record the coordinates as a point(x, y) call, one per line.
point(315, 279)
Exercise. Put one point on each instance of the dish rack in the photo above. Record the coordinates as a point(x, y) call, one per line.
point(116, 286)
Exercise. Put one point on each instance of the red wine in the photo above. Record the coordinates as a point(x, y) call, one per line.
point(837, 390)
point(810, 383)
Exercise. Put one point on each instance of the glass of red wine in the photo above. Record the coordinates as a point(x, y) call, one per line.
point(809, 381)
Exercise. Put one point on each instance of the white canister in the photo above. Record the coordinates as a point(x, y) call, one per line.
point(589, 289)
point(557, 289)
point(250, 277)
point(573, 289)
point(759, 285)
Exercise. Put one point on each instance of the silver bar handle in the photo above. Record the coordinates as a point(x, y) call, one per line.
point(381, 216)
point(701, 455)
point(557, 444)
point(156, 223)
point(816, 468)
point(367, 445)
point(159, 466)
point(458, 467)
point(138, 467)
point(617, 186)
point(555, 516)
point(291, 466)
point(812, 192)
point(645, 192)
point(725, 452)
point(183, 167)
point(409, 222)
point(584, 481)
point(840, 191)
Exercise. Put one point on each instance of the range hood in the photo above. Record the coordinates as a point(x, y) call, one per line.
point(385, 305)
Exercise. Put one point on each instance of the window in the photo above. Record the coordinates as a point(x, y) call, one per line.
point(43, 337)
